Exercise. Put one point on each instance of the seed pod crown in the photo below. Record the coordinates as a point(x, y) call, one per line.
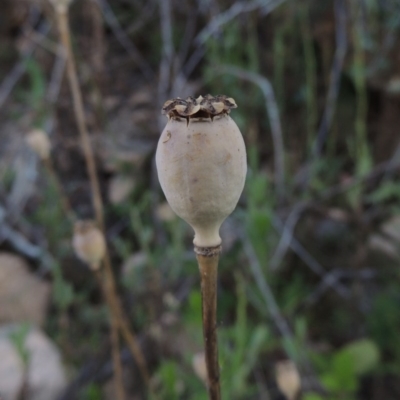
point(206, 107)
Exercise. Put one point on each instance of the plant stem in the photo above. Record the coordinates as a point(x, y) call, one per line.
point(109, 284)
point(118, 319)
point(208, 258)
point(135, 351)
point(119, 388)
point(62, 19)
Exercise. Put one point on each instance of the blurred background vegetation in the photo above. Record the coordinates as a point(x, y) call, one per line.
point(311, 265)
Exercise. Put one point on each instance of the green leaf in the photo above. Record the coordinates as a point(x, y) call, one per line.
point(312, 396)
point(386, 191)
point(343, 370)
point(168, 375)
point(192, 314)
point(18, 338)
point(63, 292)
point(258, 339)
point(364, 355)
point(37, 82)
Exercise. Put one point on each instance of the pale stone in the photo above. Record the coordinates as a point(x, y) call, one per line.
point(23, 296)
point(119, 188)
point(44, 374)
point(11, 371)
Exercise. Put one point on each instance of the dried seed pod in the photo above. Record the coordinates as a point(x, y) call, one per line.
point(89, 243)
point(201, 163)
point(39, 142)
point(288, 379)
point(61, 5)
point(199, 367)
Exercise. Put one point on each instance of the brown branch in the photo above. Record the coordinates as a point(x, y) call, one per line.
point(109, 285)
point(119, 387)
point(62, 19)
point(117, 317)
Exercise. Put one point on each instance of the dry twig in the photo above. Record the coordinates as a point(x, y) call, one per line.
point(293, 353)
point(118, 319)
point(109, 286)
point(124, 39)
point(167, 53)
point(274, 119)
point(238, 8)
point(309, 260)
point(337, 66)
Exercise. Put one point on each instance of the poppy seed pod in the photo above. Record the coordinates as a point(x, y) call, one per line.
point(39, 142)
point(89, 243)
point(201, 163)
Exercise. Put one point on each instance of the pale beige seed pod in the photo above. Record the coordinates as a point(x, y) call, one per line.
point(39, 142)
point(201, 163)
point(89, 243)
point(288, 379)
point(199, 366)
point(61, 5)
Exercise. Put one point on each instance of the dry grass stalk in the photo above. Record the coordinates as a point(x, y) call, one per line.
point(117, 317)
point(63, 26)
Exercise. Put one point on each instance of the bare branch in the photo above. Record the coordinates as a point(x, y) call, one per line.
point(124, 39)
point(308, 259)
point(274, 120)
point(167, 50)
point(337, 66)
point(287, 235)
point(234, 11)
point(56, 76)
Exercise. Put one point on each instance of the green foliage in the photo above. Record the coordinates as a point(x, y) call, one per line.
point(92, 392)
point(341, 370)
point(192, 315)
point(240, 347)
point(50, 215)
point(18, 338)
point(37, 88)
point(364, 355)
point(169, 376)
point(389, 190)
point(34, 94)
point(63, 292)
point(259, 212)
point(312, 396)
point(383, 323)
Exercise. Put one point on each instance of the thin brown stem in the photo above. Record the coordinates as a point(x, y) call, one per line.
point(118, 318)
point(208, 265)
point(119, 384)
point(109, 284)
point(121, 321)
point(62, 19)
point(134, 349)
